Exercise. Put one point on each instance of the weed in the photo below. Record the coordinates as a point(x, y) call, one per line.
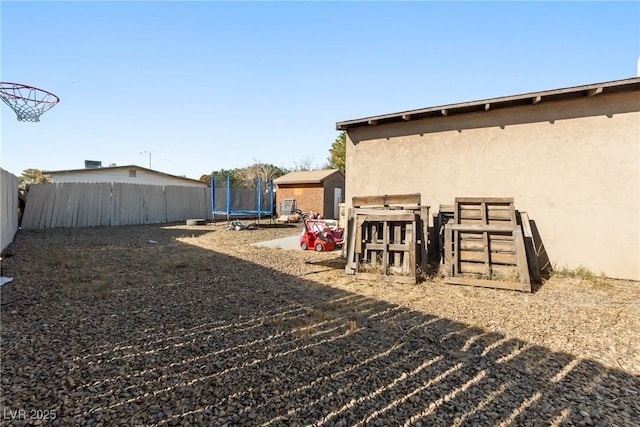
point(104, 290)
point(278, 323)
point(350, 326)
point(509, 274)
point(581, 273)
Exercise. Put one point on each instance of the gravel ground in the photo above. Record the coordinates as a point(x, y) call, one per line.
point(191, 325)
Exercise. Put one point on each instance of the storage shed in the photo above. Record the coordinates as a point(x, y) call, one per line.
point(569, 157)
point(319, 191)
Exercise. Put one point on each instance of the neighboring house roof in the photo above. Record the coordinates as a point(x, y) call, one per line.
point(532, 98)
point(115, 168)
point(307, 177)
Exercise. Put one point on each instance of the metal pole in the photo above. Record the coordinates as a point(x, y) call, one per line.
point(228, 197)
point(271, 197)
point(259, 186)
point(213, 197)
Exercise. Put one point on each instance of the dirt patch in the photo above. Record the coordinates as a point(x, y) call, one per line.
point(176, 324)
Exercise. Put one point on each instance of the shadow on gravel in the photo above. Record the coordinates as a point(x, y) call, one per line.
point(223, 341)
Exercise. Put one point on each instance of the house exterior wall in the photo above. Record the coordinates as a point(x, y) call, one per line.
point(309, 197)
point(122, 175)
point(573, 165)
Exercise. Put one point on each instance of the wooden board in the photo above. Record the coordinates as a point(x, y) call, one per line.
point(532, 255)
point(515, 286)
point(387, 200)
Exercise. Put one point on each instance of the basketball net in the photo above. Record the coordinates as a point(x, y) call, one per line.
point(28, 102)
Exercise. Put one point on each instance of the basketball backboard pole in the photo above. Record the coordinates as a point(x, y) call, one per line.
point(28, 102)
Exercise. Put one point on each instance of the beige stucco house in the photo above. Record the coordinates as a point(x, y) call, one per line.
point(569, 157)
point(130, 174)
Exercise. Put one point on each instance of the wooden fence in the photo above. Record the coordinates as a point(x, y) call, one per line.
point(8, 207)
point(104, 204)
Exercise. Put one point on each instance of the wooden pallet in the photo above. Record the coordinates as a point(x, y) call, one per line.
point(484, 246)
point(385, 247)
point(385, 238)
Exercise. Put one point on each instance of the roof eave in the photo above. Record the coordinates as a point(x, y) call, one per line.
point(533, 98)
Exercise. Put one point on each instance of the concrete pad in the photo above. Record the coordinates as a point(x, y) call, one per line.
point(288, 243)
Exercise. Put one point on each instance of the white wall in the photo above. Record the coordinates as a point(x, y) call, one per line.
point(122, 175)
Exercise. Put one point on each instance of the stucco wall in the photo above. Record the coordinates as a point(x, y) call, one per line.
point(574, 166)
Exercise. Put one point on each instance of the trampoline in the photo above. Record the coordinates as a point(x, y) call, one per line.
point(238, 203)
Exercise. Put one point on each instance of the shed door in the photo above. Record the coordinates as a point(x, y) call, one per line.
point(337, 198)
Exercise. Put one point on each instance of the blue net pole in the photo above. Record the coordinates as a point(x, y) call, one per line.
point(228, 196)
point(271, 197)
point(213, 197)
point(259, 189)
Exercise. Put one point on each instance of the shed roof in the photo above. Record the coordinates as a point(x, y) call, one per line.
point(306, 177)
point(532, 98)
point(115, 168)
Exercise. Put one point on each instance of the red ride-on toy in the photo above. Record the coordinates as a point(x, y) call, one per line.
point(317, 236)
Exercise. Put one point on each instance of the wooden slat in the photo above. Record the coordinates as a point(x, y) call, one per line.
point(392, 247)
point(359, 220)
point(424, 238)
point(484, 199)
point(532, 256)
point(387, 217)
point(385, 242)
point(493, 236)
point(352, 227)
point(523, 267)
point(515, 286)
point(494, 257)
point(33, 206)
point(496, 245)
point(497, 270)
point(382, 211)
point(488, 259)
point(409, 265)
point(483, 228)
point(491, 214)
point(448, 250)
point(386, 278)
point(386, 200)
point(397, 236)
point(456, 251)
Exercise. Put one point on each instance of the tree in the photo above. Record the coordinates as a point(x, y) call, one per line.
point(31, 176)
point(338, 152)
point(245, 177)
point(304, 165)
point(205, 178)
point(263, 171)
point(221, 178)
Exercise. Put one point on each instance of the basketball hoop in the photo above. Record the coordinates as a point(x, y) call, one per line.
point(28, 102)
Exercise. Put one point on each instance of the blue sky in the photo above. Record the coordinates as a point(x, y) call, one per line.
point(206, 85)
